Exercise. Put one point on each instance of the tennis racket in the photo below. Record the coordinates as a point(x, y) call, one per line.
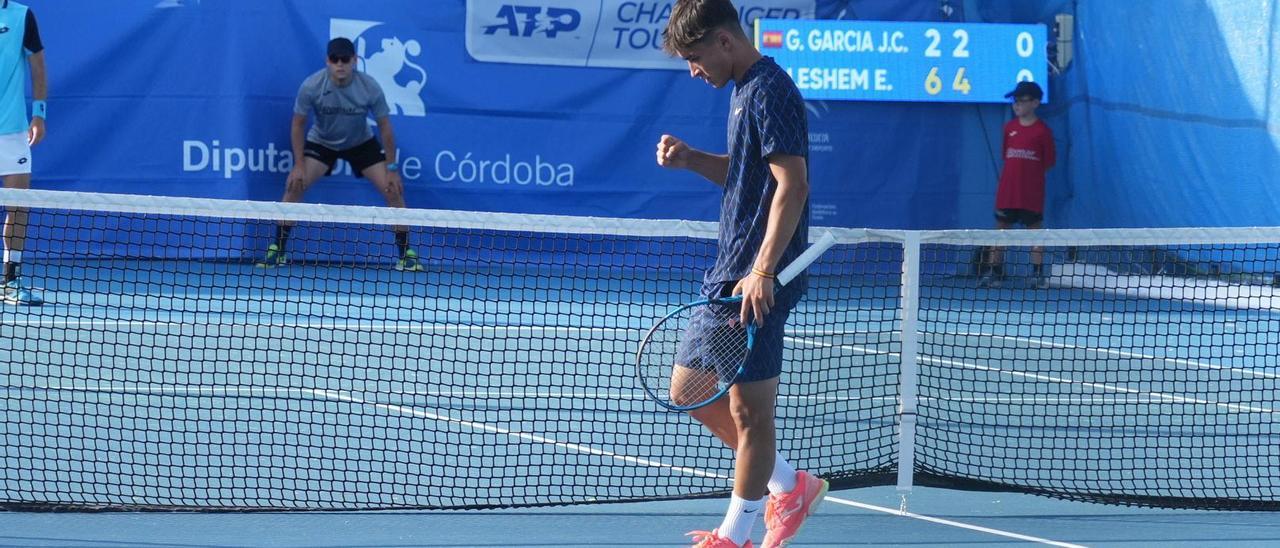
point(691, 356)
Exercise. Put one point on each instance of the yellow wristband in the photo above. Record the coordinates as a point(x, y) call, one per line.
point(762, 273)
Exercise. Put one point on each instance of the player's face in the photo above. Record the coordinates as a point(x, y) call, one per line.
point(710, 60)
point(1025, 105)
point(340, 66)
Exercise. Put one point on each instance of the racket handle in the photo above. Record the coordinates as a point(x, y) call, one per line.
point(805, 259)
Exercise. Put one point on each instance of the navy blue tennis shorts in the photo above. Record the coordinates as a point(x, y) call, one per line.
point(765, 360)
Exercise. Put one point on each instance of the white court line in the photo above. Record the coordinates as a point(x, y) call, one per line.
point(1039, 377)
point(330, 394)
point(646, 462)
point(406, 325)
point(238, 391)
point(1123, 354)
point(951, 523)
point(1107, 351)
point(386, 325)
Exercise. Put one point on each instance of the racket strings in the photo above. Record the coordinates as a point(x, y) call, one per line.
point(694, 355)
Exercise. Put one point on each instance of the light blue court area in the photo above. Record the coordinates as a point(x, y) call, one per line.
point(218, 385)
point(221, 385)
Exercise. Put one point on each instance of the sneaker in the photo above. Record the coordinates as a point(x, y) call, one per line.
point(409, 262)
point(784, 514)
point(1040, 282)
point(15, 292)
point(709, 539)
point(275, 257)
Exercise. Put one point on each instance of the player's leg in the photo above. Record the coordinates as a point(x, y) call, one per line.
point(693, 380)
point(1039, 280)
point(15, 228)
point(995, 254)
point(793, 495)
point(15, 167)
point(369, 158)
point(392, 192)
point(315, 164)
point(744, 421)
point(15, 235)
point(313, 168)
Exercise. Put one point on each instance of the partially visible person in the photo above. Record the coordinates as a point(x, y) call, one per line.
point(20, 48)
point(1028, 153)
point(340, 98)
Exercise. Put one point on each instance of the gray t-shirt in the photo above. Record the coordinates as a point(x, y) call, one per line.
point(340, 111)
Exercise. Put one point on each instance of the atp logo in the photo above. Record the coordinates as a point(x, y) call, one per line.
point(389, 59)
point(529, 20)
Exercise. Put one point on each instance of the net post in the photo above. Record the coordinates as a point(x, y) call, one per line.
point(908, 374)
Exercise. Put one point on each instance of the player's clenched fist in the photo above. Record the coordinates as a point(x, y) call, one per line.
point(672, 152)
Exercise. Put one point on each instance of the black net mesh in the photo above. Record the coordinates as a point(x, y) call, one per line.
point(166, 369)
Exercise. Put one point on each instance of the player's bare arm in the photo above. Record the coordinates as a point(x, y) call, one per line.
point(39, 92)
point(389, 145)
point(297, 140)
point(784, 215)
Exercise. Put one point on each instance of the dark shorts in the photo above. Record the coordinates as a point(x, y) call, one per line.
point(361, 156)
point(1024, 217)
point(765, 360)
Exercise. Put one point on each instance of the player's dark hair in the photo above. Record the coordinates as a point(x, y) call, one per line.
point(695, 20)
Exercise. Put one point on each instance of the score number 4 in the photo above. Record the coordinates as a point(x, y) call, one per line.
point(933, 82)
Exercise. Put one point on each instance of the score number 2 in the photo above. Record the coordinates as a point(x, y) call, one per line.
point(933, 82)
point(962, 48)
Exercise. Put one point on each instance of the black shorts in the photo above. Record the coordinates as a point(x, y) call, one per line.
point(1025, 217)
point(360, 156)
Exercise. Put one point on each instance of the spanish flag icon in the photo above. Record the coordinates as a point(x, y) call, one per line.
point(772, 39)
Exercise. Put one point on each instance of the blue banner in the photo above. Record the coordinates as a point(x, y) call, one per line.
point(496, 106)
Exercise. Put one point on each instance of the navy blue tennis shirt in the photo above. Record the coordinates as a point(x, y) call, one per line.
point(766, 117)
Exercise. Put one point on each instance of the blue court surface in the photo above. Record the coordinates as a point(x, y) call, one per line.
point(939, 518)
point(175, 383)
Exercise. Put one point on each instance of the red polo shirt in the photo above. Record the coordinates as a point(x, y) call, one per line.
point(1028, 154)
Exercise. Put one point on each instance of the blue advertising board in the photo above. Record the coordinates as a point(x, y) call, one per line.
point(905, 61)
point(548, 106)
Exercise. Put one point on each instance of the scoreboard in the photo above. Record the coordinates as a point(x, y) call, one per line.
point(906, 61)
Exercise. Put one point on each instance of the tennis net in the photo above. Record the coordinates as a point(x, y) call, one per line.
point(168, 370)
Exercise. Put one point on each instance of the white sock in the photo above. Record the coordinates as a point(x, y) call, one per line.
point(740, 518)
point(783, 479)
point(12, 256)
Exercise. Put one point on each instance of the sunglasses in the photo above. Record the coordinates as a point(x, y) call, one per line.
point(340, 59)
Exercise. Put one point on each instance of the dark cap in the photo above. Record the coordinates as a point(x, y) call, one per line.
point(341, 47)
point(1026, 89)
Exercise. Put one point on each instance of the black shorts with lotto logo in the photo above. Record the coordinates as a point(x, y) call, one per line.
point(1024, 217)
point(361, 156)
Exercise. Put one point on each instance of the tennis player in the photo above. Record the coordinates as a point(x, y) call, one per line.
point(19, 40)
point(340, 98)
point(763, 225)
